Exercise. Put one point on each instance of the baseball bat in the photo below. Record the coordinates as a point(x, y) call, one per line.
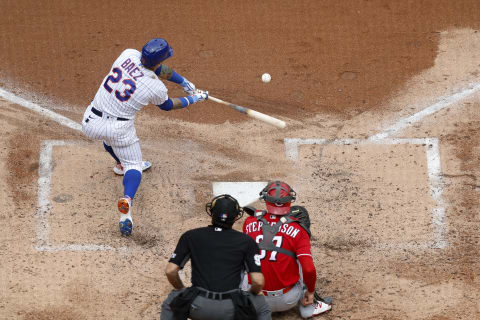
point(251, 113)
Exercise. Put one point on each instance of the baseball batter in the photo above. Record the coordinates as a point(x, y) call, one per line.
point(284, 245)
point(131, 84)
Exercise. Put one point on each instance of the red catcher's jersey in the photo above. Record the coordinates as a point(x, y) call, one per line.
point(280, 270)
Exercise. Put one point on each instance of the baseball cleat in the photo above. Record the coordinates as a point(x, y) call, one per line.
point(124, 205)
point(126, 227)
point(317, 297)
point(320, 307)
point(118, 169)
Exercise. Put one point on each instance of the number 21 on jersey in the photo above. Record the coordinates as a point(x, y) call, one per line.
point(277, 240)
point(115, 78)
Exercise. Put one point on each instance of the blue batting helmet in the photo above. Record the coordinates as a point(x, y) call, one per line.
point(155, 51)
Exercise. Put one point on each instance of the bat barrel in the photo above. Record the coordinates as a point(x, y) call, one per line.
point(252, 113)
point(266, 118)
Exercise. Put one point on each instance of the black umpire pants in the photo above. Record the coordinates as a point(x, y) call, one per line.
point(210, 309)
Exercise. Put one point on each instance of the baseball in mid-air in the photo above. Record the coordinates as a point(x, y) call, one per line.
point(266, 77)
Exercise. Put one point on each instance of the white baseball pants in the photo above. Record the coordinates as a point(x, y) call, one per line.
point(120, 135)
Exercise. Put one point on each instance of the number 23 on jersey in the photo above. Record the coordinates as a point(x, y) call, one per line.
point(117, 77)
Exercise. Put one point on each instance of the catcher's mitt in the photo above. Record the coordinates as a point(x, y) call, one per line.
point(250, 210)
point(301, 214)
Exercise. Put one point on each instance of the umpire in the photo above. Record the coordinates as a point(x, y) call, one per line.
point(219, 255)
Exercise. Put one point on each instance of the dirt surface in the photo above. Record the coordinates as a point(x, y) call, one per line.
point(395, 222)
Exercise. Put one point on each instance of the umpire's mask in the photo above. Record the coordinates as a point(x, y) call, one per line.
point(224, 210)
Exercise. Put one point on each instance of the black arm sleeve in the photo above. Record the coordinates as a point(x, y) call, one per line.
point(181, 255)
point(252, 261)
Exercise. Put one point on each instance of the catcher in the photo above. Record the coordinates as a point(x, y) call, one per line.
point(283, 235)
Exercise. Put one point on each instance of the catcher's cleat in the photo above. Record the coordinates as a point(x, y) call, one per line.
point(118, 169)
point(126, 227)
point(124, 205)
point(327, 300)
point(320, 307)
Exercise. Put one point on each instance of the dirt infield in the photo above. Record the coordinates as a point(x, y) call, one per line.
point(382, 101)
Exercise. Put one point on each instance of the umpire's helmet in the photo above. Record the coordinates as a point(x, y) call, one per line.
point(278, 197)
point(224, 210)
point(155, 51)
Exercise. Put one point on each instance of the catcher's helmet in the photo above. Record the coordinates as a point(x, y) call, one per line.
point(278, 197)
point(155, 51)
point(224, 210)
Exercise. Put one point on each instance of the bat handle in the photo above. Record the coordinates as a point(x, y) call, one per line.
point(216, 99)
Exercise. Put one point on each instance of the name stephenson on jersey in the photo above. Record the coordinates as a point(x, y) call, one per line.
point(129, 87)
point(287, 229)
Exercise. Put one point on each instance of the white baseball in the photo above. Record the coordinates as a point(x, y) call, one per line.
point(266, 77)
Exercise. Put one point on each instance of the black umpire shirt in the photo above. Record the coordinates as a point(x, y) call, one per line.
point(219, 256)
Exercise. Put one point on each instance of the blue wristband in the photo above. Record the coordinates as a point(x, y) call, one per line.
point(186, 101)
point(192, 99)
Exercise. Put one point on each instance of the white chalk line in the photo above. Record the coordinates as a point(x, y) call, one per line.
point(43, 111)
point(441, 104)
point(291, 144)
point(78, 247)
point(43, 206)
point(434, 174)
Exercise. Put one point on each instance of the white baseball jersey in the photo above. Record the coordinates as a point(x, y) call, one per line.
point(125, 90)
point(129, 87)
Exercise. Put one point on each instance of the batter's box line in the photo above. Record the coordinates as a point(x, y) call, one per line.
point(434, 168)
point(43, 205)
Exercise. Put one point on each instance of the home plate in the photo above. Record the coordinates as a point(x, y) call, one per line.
point(245, 192)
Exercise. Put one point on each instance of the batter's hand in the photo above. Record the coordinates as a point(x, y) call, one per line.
point(308, 298)
point(188, 87)
point(201, 95)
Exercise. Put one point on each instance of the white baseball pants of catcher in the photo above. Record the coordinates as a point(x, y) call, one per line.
point(279, 301)
point(120, 135)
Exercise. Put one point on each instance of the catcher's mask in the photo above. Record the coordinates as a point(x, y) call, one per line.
point(278, 197)
point(224, 210)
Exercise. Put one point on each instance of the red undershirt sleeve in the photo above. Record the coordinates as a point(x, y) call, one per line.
point(309, 272)
point(304, 256)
